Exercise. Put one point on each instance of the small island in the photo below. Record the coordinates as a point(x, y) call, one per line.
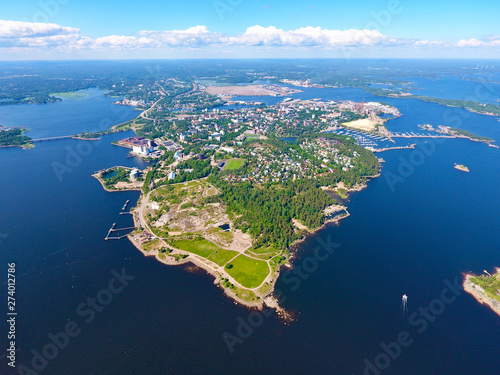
point(485, 289)
point(10, 137)
point(461, 167)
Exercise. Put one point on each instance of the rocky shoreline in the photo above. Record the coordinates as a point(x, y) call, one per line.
point(480, 294)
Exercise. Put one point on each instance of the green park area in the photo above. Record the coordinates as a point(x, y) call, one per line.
point(205, 249)
point(249, 272)
point(234, 164)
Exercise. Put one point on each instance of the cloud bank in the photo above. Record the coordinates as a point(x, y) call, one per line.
point(16, 36)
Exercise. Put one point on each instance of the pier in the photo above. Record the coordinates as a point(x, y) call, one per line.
point(413, 135)
point(112, 229)
point(393, 148)
point(125, 205)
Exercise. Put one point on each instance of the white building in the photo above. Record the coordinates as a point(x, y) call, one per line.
point(142, 150)
point(134, 173)
point(172, 175)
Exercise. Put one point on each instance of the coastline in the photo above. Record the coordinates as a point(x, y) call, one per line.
point(335, 220)
point(265, 291)
point(480, 294)
point(209, 267)
point(98, 178)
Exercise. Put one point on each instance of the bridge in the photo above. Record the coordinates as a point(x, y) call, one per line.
point(52, 138)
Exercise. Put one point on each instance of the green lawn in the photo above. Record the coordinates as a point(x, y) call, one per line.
point(234, 164)
point(221, 257)
point(205, 249)
point(265, 250)
point(249, 272)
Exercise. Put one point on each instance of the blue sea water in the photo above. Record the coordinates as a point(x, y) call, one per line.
point(94, 112)
point(480, 88)
point(404, 236)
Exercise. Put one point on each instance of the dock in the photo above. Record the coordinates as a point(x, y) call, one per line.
point(112, 229)
point(125, 205)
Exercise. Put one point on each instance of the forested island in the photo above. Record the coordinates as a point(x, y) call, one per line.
point(472, 106)
point(14, 137)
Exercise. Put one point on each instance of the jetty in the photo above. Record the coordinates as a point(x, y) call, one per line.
point(392, 148)
point(125, 205)
point(414, 135)
point(112, 229)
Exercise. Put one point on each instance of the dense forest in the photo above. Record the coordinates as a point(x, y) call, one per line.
point(13, 137)
point(267, 210)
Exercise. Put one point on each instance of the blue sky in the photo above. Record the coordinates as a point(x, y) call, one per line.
point(248, 28)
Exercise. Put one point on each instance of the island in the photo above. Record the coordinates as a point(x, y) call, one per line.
point(10, 137)
point(469, 105)
point(461, 167)
point(485, 288)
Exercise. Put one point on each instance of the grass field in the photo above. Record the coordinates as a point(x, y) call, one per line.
point(221, 257)
point(249, 272)
point(205, 249)
point(234, 164)
point(81, 94)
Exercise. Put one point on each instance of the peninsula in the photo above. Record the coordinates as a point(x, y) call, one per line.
point(225, 191)
point(230, 191)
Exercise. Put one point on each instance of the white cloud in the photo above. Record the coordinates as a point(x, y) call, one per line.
point(120, 41)
point(17, 29)
point(474, 43)
point(18, 36)
point(427, 43)
point(309, 37)
point(29, 34)
point(192, 37)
